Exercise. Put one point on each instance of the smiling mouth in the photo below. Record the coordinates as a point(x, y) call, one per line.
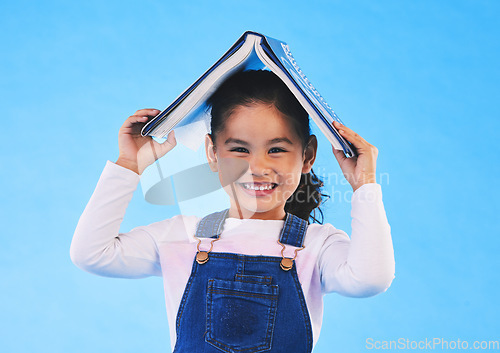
point(259, 186)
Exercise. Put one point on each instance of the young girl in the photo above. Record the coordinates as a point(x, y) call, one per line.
point(250, 278)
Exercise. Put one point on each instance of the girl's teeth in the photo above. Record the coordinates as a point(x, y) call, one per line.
point(253, 187)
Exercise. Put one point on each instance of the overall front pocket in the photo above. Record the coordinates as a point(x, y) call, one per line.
point(240, 315)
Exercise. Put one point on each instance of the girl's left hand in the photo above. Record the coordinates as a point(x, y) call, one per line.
point(357, 170)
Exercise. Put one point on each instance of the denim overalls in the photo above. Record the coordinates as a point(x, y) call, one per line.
point(242, 303)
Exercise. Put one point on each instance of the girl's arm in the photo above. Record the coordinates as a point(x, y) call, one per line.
point(97, 245)
point(363, 265)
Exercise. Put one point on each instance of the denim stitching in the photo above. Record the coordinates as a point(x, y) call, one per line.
point(294, 231)
point(291, 234)
point(291, 240)
point(286, 229)
point(220, 221)
point(301, 232)
point(233, 293)
point(283, 230)
point(252, 279)
point(208, 312)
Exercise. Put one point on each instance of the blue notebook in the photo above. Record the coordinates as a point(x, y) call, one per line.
point(252, 51)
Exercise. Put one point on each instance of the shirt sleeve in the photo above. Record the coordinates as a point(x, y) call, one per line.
point(363, 265)
point(97, 245)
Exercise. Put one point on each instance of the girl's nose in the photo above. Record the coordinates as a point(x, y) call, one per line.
point(259, 166)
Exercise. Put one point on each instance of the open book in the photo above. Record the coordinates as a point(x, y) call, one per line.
point(252, 51)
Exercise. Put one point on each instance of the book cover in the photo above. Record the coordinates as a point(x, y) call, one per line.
point(251, 51)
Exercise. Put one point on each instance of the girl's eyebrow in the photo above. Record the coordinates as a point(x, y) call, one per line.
point(270, 142)
point(233, 140)
point(280, 139)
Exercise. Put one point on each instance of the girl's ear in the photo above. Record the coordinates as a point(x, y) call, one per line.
point(310, 154)
point(211, 153)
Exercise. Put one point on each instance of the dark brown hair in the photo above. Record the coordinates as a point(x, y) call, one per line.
point(260, 86)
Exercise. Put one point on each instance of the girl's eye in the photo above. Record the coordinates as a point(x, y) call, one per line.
point(276, 150)
point(239, 149)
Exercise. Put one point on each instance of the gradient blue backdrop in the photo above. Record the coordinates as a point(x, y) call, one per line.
point(418, 79)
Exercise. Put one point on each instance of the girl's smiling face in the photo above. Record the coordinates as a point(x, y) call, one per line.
point(260, 159)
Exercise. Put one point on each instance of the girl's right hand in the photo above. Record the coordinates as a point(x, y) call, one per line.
point(137, 151)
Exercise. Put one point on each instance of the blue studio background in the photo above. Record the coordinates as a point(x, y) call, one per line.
point(418, 79)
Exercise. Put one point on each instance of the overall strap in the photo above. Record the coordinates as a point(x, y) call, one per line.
point(294, 231)
point(211, 225)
